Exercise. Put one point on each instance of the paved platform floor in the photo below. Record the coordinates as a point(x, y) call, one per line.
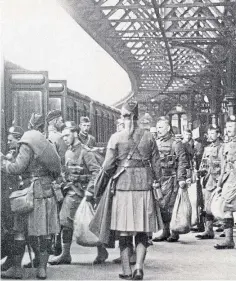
point(189, 259)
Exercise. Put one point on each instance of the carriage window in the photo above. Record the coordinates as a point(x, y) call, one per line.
point(25, 103)
point(54, 103)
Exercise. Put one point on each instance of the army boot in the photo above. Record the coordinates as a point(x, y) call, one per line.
point(174, 237)
point(165, 234)
point(15, 272)
point(228, 243)
point(64, 257)
point(208, 233)
point(42, 268)
point(101, 256)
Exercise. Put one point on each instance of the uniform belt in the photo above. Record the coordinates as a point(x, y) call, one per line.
point(168, 172)
point(30, 179)
point(133, 163)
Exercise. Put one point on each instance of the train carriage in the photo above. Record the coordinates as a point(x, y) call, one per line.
point(25, 92)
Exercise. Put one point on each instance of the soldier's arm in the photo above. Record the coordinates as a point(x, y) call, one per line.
point(182, 161)
point(21, 162)
point(155, 161)
point(93, 167)
point(61, 149)
point(222, 165)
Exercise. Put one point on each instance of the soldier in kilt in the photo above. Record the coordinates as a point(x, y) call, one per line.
point(42, 221)
point(133, 155)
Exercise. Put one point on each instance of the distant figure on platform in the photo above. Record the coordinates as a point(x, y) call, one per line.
point(84, 136)
point(189, 148)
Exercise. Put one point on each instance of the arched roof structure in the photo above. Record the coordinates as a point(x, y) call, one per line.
point(167, 47)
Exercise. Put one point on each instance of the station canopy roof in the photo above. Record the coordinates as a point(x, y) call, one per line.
point(166, 46)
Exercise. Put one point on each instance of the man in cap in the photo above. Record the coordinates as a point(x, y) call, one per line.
point(81, 171)
point(226, 184)
point(173, 165)
point(84, 135)
point(10, 183)
point(37, 122)
point(210, 169)
point(38, 164)
point(55, 124)
point(189, 148)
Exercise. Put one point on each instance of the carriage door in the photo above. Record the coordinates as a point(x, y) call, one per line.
point(26, 93)
point(57, 96)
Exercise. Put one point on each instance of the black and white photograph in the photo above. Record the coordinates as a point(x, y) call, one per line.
point(118, 139)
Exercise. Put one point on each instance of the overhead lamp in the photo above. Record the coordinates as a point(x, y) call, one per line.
point(179, 108)
point(205, 98)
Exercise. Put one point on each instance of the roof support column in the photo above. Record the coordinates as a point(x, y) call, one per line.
point(216, 99)
point(231, 81)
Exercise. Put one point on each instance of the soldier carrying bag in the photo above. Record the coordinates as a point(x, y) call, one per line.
point(22, 201)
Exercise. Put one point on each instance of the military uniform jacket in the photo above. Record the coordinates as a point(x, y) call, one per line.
point(81, 168)
point(138, 172)
point(211, 163)
point(173, 157)
point(55, 137)
point(88, 140)
point(228, 158)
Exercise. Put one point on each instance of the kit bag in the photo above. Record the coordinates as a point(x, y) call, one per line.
point(182, 213)
point(83, 217)
point(22, 201)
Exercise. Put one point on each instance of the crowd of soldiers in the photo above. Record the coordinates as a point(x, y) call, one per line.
point(139, 178)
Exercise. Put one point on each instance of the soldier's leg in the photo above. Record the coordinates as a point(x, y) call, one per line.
point(141, 242)
point(209, 232)
point(166, 229)
point(44, 250)
point(65, 256)
point(102, 255)
point(125, 244)
point(15, 272)
point(70, 205)
point(228, 243)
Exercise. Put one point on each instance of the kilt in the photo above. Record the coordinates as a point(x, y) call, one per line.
point(69, 207)
point(135, 211)
point(44, 219)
